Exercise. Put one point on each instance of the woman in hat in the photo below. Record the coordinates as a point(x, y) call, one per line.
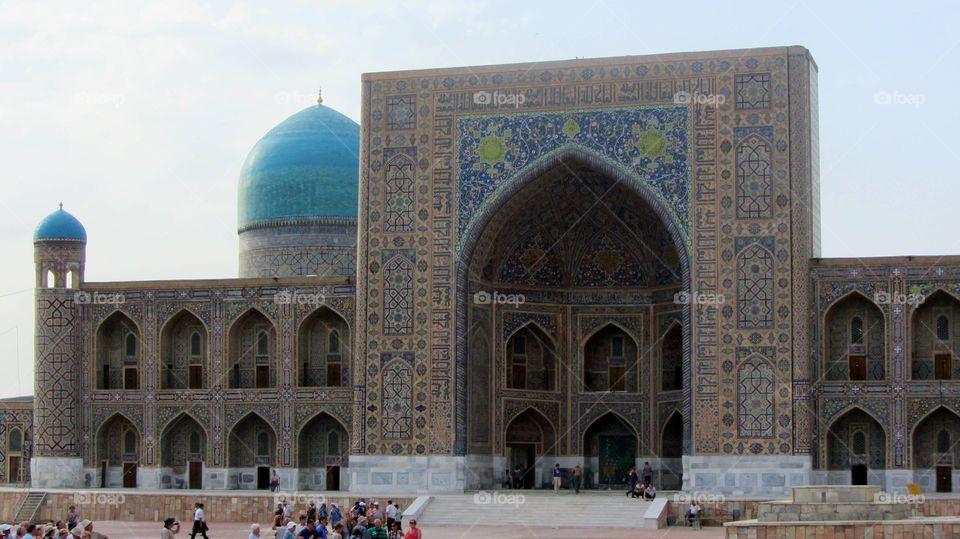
point(170, 528)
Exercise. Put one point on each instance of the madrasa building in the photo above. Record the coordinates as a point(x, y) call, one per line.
point(599, 262)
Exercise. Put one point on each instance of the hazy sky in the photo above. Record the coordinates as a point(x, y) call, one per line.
point(138, 116)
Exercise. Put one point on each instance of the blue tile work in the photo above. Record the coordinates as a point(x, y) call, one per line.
point(650, 142)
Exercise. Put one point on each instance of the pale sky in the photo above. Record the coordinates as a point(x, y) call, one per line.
point(138, 116)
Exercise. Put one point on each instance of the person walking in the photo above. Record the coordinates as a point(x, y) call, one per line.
point(577, 478)
point(199, 522)
point(556, 478)
point(414, 532)
point(335, 516)
point(631, 480)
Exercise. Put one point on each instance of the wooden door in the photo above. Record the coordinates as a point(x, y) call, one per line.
point(858, 367)
point(103, 474)
point(195, 377)
point(333, 478)
point(129, 475)
point(196, 475)
point(944, 478)
point(13, 469)
point(263, 376)
point(618, 382)
point(943, 366)
point(130, 378)
point(333, 374)
point(519, 374)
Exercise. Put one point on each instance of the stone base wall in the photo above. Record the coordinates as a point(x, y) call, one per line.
point(407, 474)
point(759, 475)
point(873, 530)
point(121, 504)
point(56, 472)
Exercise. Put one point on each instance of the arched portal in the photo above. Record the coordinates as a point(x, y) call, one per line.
point(118, 347)
point(856, 444)
point(183, 352)
point(936, 451)
point(528, 439)
point(183, 449)
point(118, 453)
point(935, 334)
point(252, 352)
point(252, 449)
point(855, 345)
point(322, 453)
point(609, 450)
point(323, 352)
point(587, 256)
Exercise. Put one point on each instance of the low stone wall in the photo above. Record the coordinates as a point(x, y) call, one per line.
point(875, 530)
point(131, 505)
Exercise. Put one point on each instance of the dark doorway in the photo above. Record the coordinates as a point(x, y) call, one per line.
point(13, 470)
point(858, 367)
point(195, 377)
point(129, 475)
point(858, 474)
point(944, 478)
point(196, 475)
point(103, 474)
point(617, 454)
point(942, 366)
point(263, 376)
point(522, 455)
point(263, 477)
point(333, 478)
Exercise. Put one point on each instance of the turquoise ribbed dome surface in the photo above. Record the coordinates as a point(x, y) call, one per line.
point(60, 225)
point(304, 168)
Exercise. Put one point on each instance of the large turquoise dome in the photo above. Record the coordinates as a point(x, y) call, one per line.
point(306, 168)
point(60, 225)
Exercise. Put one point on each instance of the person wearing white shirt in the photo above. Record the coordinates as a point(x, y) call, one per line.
point(199, 522)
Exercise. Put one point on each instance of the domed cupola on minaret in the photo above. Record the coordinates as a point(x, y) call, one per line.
point(297, 201)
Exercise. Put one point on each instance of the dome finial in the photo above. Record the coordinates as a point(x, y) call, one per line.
point(320, 95)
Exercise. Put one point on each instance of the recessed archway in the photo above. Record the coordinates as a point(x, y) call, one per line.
point(322, 453)
point(183, 450)
point(609, 450)
point(183, 352)
point(531, 359)
point(854, 346)
point(856, 445)
point(555, 240)
point(936, 451)
point(118, 452)
point(252, 450)
point(529, 437)
point(118, 352)
point(323, 350)
point(252, 352)
point(935, 337)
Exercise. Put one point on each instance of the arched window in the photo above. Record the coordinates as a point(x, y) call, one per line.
point(51, 279)
point(70, 279)
point(333, 344)
point(129, 442)
point(859, 444)
point(15, 444)
point(333, 443)
point(263, 444)
point(856, 330)
point(943, 441)
point(194, 442)
point(943, 328)
point(195, 344)
point(131, 345)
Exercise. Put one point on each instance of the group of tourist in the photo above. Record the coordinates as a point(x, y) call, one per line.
point(641, 489)
point(361, 521)
point(70, 528)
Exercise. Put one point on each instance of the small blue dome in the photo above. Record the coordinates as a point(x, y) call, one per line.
point(60, 225)
point(306, 167)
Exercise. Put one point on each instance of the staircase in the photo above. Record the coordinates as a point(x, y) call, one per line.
point(536, 508)
point(30, 505)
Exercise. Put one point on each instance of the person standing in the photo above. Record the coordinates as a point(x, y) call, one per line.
point(335, 516)
point(73, 516)
point(274, 481)
point(647, 474)
point(577, 478)
point(289, 531)
point(556, 478)
point(337, 532)
point(631, 480)
point(391, 514)
point(199, 522)
point(516, 476)
point(254, 531)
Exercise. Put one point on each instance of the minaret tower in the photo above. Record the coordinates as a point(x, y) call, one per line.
point(59, 245)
